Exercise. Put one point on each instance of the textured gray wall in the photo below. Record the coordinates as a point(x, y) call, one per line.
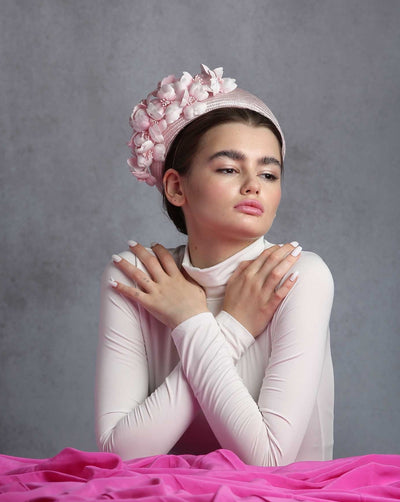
point(70, 73)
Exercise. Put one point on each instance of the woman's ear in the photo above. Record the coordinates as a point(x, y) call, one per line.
point(173, 188)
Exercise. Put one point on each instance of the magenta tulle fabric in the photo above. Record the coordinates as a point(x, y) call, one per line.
point(74, 475)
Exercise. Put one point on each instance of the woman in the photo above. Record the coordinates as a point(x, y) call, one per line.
point(224, 342)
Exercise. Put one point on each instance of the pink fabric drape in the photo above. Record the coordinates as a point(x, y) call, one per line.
point(75, 475)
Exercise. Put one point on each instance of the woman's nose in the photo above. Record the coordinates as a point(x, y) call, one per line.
point(251, 185)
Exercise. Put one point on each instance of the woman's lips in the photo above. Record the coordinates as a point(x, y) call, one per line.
point(252, 207)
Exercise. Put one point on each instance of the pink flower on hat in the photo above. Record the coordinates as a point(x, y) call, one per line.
point(140, 173)
point(155, 109)
point(166, 93)
point(162, 107)
point(156, 131)
point(192, 100)
point(216, 83)
point(140, 121)
point(173, 112)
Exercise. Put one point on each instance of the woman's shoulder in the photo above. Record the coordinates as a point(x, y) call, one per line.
point(111, 271)
point(312, 267)
point(177, 253)
point(314, 273)
point(312, 261)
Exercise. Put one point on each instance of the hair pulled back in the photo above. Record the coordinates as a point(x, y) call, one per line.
point(185, 145)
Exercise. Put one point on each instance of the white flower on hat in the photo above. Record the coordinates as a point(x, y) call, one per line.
point(167, 93)
point(156, 131)
point(173, 112)
point(164, 106)
point(155, 109)
point(140, 121)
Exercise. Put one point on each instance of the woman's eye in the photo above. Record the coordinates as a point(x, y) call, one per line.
point(226, 170)
point(269, 176)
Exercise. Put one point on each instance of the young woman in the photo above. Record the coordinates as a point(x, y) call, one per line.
point(224, 342)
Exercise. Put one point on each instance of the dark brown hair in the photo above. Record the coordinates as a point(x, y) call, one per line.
point(185, 145)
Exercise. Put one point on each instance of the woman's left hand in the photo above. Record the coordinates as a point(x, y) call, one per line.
point(165, 292)
point(252, 294)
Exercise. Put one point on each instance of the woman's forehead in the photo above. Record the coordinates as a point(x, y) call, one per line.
point(242, 138)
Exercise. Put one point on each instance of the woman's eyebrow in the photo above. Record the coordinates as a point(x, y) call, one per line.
point(236, 155)
point(269, 160)
point(231, 154)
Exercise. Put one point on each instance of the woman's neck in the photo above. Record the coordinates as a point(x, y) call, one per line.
point(207, 253)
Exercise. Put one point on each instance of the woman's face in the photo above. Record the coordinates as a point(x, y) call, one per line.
point(233, 188)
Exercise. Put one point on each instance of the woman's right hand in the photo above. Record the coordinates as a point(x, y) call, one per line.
point(252, 294)
point(167, 293)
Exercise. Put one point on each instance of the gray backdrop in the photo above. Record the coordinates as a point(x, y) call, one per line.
point(70, 73)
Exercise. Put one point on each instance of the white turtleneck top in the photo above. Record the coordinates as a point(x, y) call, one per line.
point(208, 383)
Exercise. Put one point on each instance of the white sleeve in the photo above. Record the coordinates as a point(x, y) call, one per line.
point(236, 335)
point(129, 421)
point(270, 431)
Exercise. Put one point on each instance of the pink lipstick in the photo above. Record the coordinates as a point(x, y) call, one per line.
point(249, 206)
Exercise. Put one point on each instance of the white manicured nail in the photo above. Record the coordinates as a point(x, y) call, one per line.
point(112, 282)
point(132, 243)
point(153, 244)
point(116, 258)
point(296, 251)
point(280, 245)
point(294, 276)
point(294, 244)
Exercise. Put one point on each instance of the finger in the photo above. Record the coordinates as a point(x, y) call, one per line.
point(129, 292)
point(166, 259)
point(243, 265)
point(255, 265)
point(280, 294)
point(132, 272)
point(151, 262)
point(287, 253)
point(191, 280)
point(281, 250)
point(284, 289)
point(274, 277)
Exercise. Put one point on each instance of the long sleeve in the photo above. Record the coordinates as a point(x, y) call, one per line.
point(270, 431)
point(236, 337)
point(129, 421)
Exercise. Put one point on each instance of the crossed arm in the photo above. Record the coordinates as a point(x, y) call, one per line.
point(269, 432)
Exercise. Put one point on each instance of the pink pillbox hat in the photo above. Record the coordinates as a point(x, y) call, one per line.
point(157, 120)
